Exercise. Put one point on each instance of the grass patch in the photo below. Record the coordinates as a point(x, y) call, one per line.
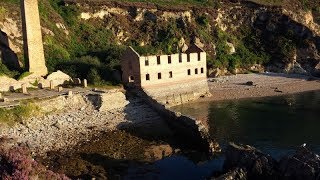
point(19, 113)
point(11, 1)
point(23, 75)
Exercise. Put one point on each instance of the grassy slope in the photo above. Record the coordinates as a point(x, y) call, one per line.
point(90, 50)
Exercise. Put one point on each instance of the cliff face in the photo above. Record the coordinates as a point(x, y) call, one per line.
point(236, 35)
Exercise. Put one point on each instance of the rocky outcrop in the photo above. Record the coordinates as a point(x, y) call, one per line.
point(303, 164)
point(253, 161)
point(236, 174)
point(246, 162)
point(157, 152)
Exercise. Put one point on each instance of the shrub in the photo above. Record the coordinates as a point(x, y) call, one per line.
point(202, 20)
point(17, 163)
point(3, 13)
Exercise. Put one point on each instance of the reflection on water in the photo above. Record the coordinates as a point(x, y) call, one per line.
point(276, 125)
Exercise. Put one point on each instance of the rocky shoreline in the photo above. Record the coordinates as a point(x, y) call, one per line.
point(246, 162)
point(66, 125)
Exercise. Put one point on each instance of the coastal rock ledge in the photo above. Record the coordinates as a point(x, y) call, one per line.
point(247, 162)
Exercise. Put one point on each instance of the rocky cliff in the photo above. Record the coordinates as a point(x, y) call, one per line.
point(86, 38)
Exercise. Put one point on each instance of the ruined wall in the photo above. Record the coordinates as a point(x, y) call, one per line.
point(170, 79)
point(33, 45)
point(173, 69)
point(130, 67)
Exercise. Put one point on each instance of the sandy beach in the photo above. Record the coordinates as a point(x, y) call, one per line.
point(264, 85)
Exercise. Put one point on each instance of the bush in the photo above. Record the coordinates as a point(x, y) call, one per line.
point(202, 20)
point(17, 163)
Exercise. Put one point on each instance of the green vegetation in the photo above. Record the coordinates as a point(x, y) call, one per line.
point(245, 55)
point(23, 75)
point(3, 13)
point(19, 113)
point(5, 71)
point(91, 49)
point(11, 1)
point(179, 2)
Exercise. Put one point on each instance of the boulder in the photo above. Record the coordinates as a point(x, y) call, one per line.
point(58, 78)
point(7, 83)
point(104, 104)
point(295, 68)
point(257, 164)
point(303, 164)
point(249, 83)
point(232, 49)
point(215, 73)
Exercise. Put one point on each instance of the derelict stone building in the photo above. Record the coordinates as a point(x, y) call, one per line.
point(161, 70)
point(174, 78)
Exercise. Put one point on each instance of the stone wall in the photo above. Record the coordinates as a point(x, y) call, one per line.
point(188, 128)
point(33, 46)
point(130, 67)
point(176, 94)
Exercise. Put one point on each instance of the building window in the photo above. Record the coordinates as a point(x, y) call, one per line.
point(131, 79)
point(170, 74)
point(189, 72)
point(158, 60)
point(188, 58)
point(196, 71)
point(202, 71)
point(146, 62)
point(159, 75)
point(169, 59)
point(148, 77)
point(180, 58)
point(199, 56)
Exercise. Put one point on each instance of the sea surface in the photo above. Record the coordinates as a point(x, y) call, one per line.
point(275, 125)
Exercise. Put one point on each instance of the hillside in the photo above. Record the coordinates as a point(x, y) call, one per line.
point(85, 38)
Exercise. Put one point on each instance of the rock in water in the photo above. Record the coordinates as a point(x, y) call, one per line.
point(254, 162)
point(304, 164)
point(158, 152)
point(236, 174)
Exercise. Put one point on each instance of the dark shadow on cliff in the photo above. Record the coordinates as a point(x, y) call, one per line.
point(9, 57)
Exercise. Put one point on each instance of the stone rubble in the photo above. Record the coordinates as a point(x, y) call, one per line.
point(70, 120)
